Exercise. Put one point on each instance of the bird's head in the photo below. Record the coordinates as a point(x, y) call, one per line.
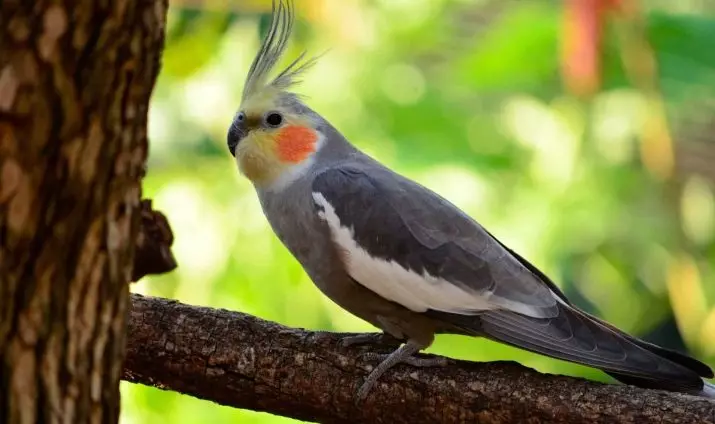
point(274, 137)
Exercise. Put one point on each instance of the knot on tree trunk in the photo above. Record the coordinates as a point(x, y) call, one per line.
point(153, 245)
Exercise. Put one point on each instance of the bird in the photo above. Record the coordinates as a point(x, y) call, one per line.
point(403, 258)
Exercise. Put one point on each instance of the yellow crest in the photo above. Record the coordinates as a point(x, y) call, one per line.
point(271, 50)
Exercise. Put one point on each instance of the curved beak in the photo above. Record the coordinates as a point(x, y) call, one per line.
point(234, 136)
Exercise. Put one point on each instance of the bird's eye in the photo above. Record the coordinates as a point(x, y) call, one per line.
point(274, 119)
point(241, 117)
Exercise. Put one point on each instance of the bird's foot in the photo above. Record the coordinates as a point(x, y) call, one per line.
point(370, 338)
point(403, 354)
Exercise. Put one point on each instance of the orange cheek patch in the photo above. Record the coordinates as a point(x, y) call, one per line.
point(296, 143)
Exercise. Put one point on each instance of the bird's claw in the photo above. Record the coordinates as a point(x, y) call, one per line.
point(371, 380)
point(364, 390)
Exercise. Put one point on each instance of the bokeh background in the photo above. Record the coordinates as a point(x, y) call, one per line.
point(580, 132)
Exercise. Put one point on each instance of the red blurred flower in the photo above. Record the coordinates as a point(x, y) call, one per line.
point(583, 23)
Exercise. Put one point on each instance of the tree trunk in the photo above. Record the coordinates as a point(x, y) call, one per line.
point(75, 81)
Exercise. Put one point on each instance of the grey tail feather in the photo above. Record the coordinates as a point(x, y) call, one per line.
point(681, 359)
point(576, 337)
point(708, 390)
point(674, 371)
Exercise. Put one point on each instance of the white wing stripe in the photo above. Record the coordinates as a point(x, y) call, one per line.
point(391, 281)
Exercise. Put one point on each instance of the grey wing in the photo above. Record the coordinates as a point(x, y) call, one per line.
point(415, 248)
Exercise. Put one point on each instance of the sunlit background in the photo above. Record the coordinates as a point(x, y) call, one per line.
point(591, 152)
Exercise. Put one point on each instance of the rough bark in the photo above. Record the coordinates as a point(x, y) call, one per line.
point(238, 360)
point(75, 81)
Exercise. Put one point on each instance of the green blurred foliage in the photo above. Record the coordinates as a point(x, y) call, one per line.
point(466, 98)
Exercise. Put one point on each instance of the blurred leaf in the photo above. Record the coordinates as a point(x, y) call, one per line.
point(519, 53)
point(685, 287)
point(686, 63)
point(192, 41)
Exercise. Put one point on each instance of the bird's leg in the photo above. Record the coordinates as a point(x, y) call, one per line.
point(401, 354)
point(370, 338)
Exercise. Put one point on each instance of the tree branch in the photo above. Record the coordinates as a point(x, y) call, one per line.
point(238, 360)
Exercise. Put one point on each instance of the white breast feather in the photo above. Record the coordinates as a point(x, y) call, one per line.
point(392, 281)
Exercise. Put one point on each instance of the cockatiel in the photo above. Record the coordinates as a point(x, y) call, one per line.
point(401, 257)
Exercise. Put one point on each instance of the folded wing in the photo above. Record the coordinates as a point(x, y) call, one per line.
point(417, 249)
